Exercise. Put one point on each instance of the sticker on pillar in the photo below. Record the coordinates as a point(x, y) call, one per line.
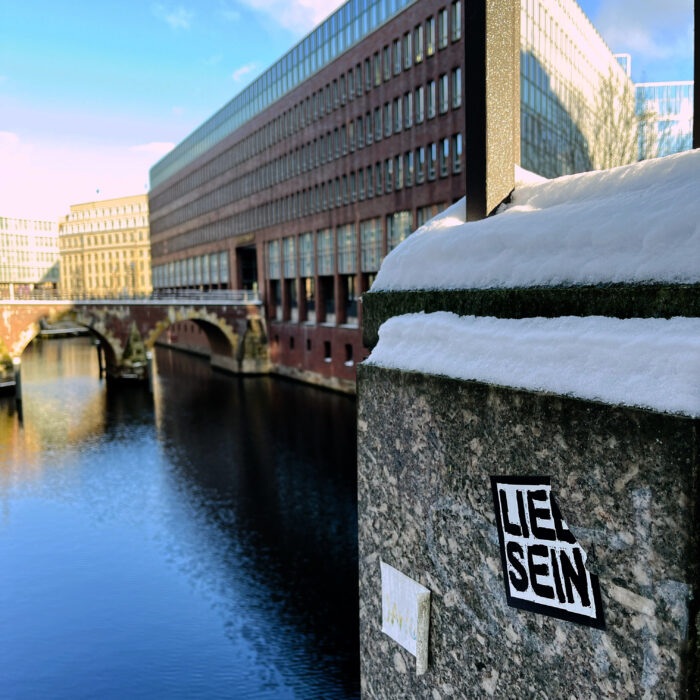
point(406, 613)
point(544, 567)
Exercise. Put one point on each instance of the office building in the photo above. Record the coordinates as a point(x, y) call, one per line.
point(28, 255)
point(105, 248)
point(668, 128)
point(303, 182)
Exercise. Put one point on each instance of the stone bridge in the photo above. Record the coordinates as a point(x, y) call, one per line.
point(128, 329)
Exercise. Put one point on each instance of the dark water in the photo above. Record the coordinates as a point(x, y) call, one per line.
point(199, 544)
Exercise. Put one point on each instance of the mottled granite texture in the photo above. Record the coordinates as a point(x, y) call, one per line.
point(626, 481)
point(619, 300)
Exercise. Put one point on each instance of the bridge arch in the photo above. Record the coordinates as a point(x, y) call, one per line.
point(223, 338)
point(111, 345)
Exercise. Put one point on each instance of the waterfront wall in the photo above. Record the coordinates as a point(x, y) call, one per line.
point(626, 482)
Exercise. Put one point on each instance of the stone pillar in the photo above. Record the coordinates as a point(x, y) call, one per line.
point(492, 102)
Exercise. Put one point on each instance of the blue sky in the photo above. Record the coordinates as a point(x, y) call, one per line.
point(93, 93)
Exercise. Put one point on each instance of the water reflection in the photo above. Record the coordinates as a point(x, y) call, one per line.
point(202, 542)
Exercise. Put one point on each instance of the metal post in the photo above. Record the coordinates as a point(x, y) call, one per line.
point(149, 369)
point(17, 367)
point(100, 358)
point(696, 74)
point(491, 102)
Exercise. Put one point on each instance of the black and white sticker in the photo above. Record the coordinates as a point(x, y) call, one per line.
point(544, 568)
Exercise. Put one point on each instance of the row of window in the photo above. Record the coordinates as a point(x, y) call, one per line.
point(106, 211)
point(327, 251)
point(12, 273)
point(10, 224)
point(355, 135)
point(17, 241)
point(335, 94)
point(196, 270)
point(405, 170)
point(104, 225)
point(66, 242)
point(30, 255)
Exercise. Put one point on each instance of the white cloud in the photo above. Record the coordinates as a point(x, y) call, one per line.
point(650, 29)
point(41, 180)
point(155, 148)
point(241, 72)
point(296, 15)
point(228, 13)
point(177, 17)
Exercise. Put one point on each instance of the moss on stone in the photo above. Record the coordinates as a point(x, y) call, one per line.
point(616, 300)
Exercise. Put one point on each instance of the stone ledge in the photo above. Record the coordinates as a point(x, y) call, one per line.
point(617, 300)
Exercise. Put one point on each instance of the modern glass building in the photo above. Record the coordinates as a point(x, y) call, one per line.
point(669, 126)
point(28, 254)
point(302, 183)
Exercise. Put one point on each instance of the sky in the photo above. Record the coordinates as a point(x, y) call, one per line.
point(92, 94)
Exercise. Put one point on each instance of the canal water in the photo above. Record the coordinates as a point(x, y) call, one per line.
point(200, 543)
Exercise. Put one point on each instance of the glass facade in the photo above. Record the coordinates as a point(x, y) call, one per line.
point(669, 125)
point(348, 25)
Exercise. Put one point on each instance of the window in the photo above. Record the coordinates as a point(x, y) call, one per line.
point(377, 124)
point(442, 28)
point(347, 249)
point(351, 85)
point(398, 173)
point(397, 115)
point(444, 156)
point(388, 174)
point(368, 75)
point(456, 20)
point(273, 257)
point(397, 56)
point(432, 157)
point(456, 88)
point(407, 50)
point(360, 133)
point(420, 104)
point(290, 258)
point(326, 350)
point(368, 129)
point(351, 135)
point(370, 181)
point(344, 135)
point(398, 228)
point(342, 90)
point(387, 63)
point(378, 178)
point(388, 124)
point(335, 94)
point(420, 164)
point(409, 168)
point(371, 244)
point(324, 248)
point(418, 36)
point(408, 110)
point(306, 255)
point(431, 99)
point(430, 36)
point(377, 69)
point(457, 153)
point(443, 93)
point(361, 184)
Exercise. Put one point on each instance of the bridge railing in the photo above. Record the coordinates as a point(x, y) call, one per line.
point(219, 296)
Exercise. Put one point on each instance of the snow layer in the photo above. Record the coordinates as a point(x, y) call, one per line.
point(651, 363)
point(637, 223)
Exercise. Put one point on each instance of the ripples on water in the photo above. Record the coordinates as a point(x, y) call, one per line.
point(200, 543)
